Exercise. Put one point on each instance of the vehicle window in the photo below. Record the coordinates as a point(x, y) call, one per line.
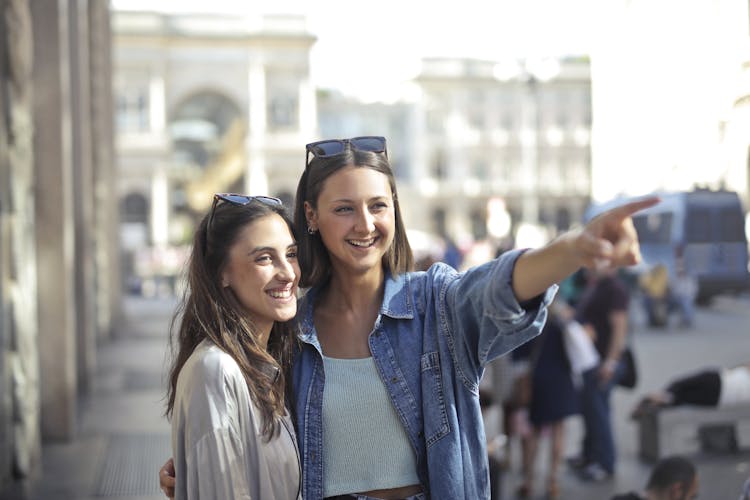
point(698, 226)
point(731, 225)
point(653, 228)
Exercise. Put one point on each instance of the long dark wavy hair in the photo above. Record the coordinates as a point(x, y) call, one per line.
point(210, 311)
point(313, 257)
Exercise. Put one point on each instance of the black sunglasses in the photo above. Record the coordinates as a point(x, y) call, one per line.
point(334, 147)
point(238, 199)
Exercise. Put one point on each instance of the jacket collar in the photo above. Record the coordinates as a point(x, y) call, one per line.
point(397, 303)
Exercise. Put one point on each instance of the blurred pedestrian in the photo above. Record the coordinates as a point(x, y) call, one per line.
point(232, 436)
point(495, 441)
point(553, 398)
point(711, 387)
point(572, 287)
point(745, 494)
point(672, 478)
point(683, 291)
point(452, 255)
point(654, 284)
point(603, 310)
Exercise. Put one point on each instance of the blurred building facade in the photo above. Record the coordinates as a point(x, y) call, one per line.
point(209, 103)
point(205, 104)
point(483, 141)
point(509, 137)
point(59, 283)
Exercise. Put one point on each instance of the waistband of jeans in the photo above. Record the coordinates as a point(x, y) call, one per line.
point(417, 496)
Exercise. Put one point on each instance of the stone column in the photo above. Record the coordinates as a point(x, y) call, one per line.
point(159, 207)
point(54, 219)
point(106, 217)
point(5, 244)
point(256, 181)
point(19, 361)
point(83, 202)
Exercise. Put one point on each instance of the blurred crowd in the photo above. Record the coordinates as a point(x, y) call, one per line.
point(572, 368)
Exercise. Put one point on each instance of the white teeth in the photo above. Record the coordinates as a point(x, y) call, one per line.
point(362, 243)
point(280, 294)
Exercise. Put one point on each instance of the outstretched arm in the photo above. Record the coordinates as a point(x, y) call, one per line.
point(607, 240)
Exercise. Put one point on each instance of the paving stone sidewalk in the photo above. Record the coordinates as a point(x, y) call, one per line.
point(123, 438)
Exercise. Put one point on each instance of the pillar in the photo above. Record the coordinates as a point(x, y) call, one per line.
point(106, 216)
point(83, 202)
point(54, 219)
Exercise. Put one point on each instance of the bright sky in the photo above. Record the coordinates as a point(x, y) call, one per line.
point(369, 49)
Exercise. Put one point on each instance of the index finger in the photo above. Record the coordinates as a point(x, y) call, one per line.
point(628, 209)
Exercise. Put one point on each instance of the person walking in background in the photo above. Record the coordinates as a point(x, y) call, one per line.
point(385, 384)
point(496, 442)
point(684, 289)
point(572, 287)
point(553, 398)
point(672, 478)
point(232, 436)
point(656, 294)
point(745, 494)
point(603, 310)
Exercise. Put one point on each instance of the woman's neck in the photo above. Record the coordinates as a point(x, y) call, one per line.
point(262, 332)
point(355, 292)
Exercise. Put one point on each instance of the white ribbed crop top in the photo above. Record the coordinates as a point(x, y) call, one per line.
point(365, 446)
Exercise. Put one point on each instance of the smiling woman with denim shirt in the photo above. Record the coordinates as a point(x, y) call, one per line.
point(387, 379)
point(386, 384)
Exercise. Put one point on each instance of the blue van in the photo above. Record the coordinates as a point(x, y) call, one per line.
point(704, 227)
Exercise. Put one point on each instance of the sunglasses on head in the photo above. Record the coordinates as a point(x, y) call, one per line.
point(238, 199)
point(334, 147)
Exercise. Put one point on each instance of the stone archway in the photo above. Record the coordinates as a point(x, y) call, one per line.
point(198, 123)
point(208, 133)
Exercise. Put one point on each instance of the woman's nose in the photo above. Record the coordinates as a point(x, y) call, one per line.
point(286, 270)
point(365, 222)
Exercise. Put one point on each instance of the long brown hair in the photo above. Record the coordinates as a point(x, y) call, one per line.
point(314, 260)
point(210, 311)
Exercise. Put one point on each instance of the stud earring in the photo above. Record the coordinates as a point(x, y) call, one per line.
point(310, 230)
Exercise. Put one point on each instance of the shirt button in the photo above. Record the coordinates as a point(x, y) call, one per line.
point(394, 379)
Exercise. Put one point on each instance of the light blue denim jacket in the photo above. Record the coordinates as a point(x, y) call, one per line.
point(435, 333)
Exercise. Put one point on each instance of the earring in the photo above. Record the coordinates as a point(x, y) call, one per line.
point(310, 230)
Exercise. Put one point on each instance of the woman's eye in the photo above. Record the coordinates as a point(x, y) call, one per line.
point(341, 210)
point(379, 206)
point(263, 259)
point(291, 254)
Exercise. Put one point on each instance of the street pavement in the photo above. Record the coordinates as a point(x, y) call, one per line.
point(123, 437)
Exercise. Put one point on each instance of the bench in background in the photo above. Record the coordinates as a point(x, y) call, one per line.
point(682, 430)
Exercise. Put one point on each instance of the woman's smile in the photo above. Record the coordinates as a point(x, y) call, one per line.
point(359, 243)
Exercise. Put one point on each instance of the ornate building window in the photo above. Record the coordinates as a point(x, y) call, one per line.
point(133, 108)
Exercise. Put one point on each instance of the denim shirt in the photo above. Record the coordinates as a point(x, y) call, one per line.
point(435, 332)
